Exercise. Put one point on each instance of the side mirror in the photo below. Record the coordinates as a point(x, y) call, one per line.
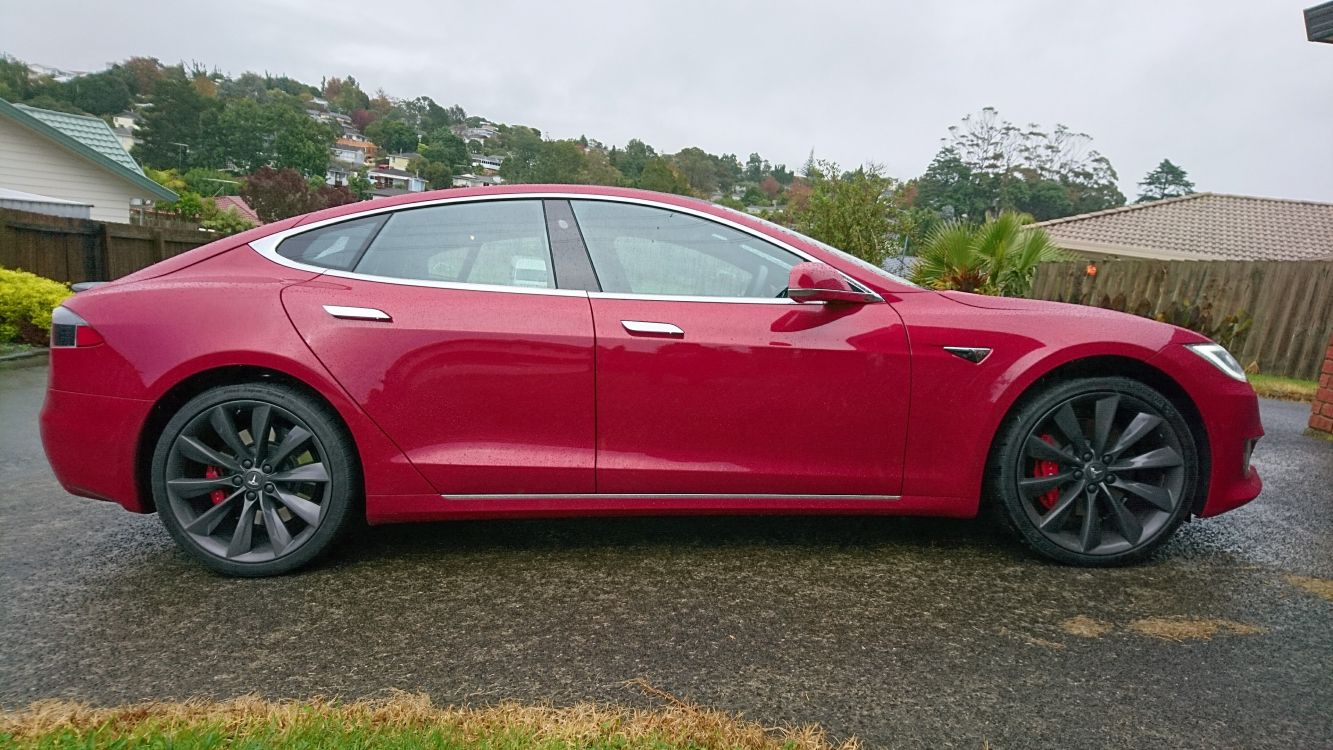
point(818, 282)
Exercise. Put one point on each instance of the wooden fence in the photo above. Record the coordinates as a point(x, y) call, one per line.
point(1275, 316)
point(82, 250)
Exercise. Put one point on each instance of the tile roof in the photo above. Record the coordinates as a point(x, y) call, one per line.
point(88, 130)
point(87, 137)
point(1203, 226)
point(237, 203)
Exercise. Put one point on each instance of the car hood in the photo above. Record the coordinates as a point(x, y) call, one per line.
point(1111, 320)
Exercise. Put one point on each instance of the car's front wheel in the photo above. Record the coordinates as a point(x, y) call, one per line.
point(1096, 471)
point(255, 479)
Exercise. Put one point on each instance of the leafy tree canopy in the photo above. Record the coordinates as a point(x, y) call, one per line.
point(1165, 181)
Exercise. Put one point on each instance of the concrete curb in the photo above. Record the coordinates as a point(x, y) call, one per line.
point(31, 358)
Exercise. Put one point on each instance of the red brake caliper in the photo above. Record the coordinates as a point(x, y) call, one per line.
point(1047, 469)
point(217, 496)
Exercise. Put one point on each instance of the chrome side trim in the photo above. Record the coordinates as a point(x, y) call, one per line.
point(268, 247)
point(666, 496)
point(974, 354)
point(356, 313)
point(691, 298)
point(647, 326)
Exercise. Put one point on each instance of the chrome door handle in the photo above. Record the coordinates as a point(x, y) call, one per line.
point(650, 328)
point(357, 313)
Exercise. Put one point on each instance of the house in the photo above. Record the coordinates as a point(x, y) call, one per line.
point(72, 157)
point(487, 164)
point(124, 125)
point(236, 203)
point(396, 181)
point(352, 152)
point(1319, 23)
point(17, 200)
point(472, 180)
point(479, 133)
point(337, 175)
point(402, 161)
point(1201, 226)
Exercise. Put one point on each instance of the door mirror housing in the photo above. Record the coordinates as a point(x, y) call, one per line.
point(819, 282)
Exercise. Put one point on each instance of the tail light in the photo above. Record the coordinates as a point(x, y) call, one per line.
point(68, 330)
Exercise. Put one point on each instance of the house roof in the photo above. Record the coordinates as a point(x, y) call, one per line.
point(88, 137)
point(390, 172)
point(238, 204)
point(1203, 226)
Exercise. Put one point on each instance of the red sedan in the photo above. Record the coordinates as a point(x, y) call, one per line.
point(564, 350)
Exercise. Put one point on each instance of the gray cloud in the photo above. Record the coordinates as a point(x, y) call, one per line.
point(1229, 89)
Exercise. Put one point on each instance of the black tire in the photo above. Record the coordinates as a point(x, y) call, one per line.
point(297, 488)
point(1045, 484)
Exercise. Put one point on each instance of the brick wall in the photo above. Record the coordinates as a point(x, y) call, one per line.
point(1321, 416)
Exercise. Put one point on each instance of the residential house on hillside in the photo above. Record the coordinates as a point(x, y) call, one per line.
point(402, 161)
point(1201, 226)
point(472, 180)
point(124, 125)
point(389, 181)
point(480, 133)
point(73, 158)
point(487, 164)
point(352, 152)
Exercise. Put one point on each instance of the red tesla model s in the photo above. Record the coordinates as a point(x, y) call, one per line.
point(572, 350)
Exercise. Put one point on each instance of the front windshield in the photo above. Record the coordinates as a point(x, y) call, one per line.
point(858, 262)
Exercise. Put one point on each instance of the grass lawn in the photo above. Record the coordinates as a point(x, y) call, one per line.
point(401, 721)
point(1287, 389)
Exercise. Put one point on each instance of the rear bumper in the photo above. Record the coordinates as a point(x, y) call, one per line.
point(89, 441)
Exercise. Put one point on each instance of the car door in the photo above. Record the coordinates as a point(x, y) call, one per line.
point(445, 323)
point(709, 382)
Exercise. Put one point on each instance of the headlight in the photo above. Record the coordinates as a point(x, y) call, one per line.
point(1220, 358)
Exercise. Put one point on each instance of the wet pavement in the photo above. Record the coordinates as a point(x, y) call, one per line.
point(903, 632)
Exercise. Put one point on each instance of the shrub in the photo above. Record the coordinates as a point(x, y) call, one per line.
point(26, 302)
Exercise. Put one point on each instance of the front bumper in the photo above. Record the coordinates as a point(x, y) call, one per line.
point(89, 441)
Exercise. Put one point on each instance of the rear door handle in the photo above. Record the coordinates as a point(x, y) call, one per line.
point(651, 328)
point(357, 313)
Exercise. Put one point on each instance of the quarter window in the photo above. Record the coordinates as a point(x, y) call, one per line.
point(500, 242)
point(645, 250)
point(335, 246)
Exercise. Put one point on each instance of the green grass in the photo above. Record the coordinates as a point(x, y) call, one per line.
point(1287, 389)
point(402, 721)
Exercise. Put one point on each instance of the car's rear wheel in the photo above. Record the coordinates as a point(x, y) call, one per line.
point(1096, 471)
point(254, 479)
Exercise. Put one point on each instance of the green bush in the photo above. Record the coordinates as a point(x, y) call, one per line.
point(26, 302)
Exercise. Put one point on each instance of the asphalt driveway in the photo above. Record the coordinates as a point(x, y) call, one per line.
point(904, 632)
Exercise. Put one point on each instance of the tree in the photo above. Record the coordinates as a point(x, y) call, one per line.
point(248, 135)
point(661, 175)
point(1166, 181)
point(997, 257)
point(99, 93)
point(633, 158)
point(698, 168)
point(394, 136)
point(755, 167)
point(988, 165)
point(850, 212)
point(770, 187)
point(173, 132)
point(443, 147)
point(279, 193)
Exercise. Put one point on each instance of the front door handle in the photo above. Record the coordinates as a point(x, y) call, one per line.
point(651, 328)
point(357, 313)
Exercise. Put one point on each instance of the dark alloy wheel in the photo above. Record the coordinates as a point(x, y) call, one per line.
point(1096, 471)
point(253, 479)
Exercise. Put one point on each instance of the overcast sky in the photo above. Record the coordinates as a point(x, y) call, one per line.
point(1228, 89)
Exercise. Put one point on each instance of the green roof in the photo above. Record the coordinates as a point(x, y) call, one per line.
point(86, 136)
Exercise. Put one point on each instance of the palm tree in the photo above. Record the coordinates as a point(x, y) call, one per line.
point(998, 257)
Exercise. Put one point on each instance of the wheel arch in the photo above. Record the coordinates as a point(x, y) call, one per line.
point(1113, 365)
point(166, 406)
